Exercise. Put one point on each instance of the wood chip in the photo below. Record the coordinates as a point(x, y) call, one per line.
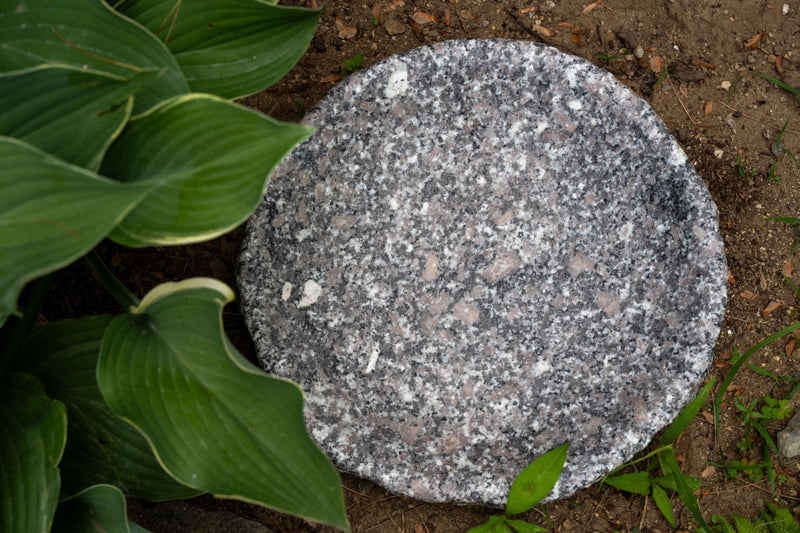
point(544, 32)
point(527, 10)
point(752, 44)
point(701, 63)
point(588, 9)
point(376, 11)
point(331, 78)
point(422, 18)
point(708, 416)
point(709, 107)
point(731, 279)
point(575, 38)
point(779, 64)
point(447, 17)
point(344, 31)
point(788, 268)
point(708, 472)
point(762, 281)
point(790, 346)
point(773, 305)
point(747, 295)
point(655, 64)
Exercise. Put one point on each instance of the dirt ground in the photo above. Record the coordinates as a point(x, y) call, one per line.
point(694, 62)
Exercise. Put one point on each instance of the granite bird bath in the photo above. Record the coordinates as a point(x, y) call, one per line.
point(487, 249)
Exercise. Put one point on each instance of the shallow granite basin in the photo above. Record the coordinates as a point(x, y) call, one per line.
point(487, 249)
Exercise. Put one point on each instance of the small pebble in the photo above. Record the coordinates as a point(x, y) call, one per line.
point(638, 52)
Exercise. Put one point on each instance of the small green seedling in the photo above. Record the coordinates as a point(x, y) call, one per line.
point(353, 64)
point(793, 223)
point(744, 173)
point(649, 482)
point(530, 487)
point(771, 520)
point(732, 87)
point(780, 152)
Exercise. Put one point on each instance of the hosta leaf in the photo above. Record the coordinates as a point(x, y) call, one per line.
point(100, 508)
point(102, 447)
point(635, 482)
point(31, 443)
point(209, 159)
point(86, 33)
point(46, 105)
point(214, 420)
point(50, 214)
point(230, 48)
point(536, 481)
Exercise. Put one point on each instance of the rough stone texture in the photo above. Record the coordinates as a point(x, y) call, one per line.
point(487, 249)
point(789, 439)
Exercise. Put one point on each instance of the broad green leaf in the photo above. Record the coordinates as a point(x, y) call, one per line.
point(663, 504)
point(210, 160)
point(635, 482)
point(687, 415)
point(669, 463)
point(98, 508)
point(46, 105)
point(215, 421)
point(102, 447)
point(86, 33)
point(230, 48)
point(668, 482)
point(536, 481)
point(34, 430)
point(50, 214)
point(524, 527)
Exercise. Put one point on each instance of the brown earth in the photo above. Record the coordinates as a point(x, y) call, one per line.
point(721, 114)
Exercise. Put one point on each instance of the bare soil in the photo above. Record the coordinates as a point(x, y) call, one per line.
point(697, 65)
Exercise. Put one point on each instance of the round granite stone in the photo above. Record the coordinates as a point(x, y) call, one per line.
point(487, 249)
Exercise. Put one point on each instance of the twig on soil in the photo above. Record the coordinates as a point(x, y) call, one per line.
point(523, 26)
point(745, 115)
point(678, 96)
point(644, 510)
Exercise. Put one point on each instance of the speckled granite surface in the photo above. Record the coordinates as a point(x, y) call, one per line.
point(487, 249)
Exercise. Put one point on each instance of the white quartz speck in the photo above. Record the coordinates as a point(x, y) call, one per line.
point(311, 293)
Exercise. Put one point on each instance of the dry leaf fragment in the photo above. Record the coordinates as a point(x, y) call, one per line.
point(708, 108)
point(544, 32)
point(752, 44)
point(376, 12)
point(788, 268)
point(731, 279)
point(779, 64)
point(423, 18)
point(763, 282)
point(527, 10)
point(575, 38)
point(331, 78)
point(447, 17)
point(773, 305)
point(790, 346)
point(747, 295)
point(344, 31)
point(588, 9)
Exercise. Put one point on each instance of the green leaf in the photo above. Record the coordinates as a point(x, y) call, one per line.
point(87, 33)
point(686, 494)
point(98, 508)
point(536, 481)
point(230, 48)
point(496, 524)
point(214, 420)
point(524, 527)
point(31, 444)
point(210, 160)
point(102, 448)
point(668, 482)
point(635, 482)
point(50, 214)
point(46, 105)
point(663, 504)
point(687, 415)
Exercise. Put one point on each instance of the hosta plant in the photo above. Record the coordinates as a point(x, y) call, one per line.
point(118, 122)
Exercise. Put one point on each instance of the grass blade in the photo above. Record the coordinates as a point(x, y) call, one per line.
point(687, 415)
